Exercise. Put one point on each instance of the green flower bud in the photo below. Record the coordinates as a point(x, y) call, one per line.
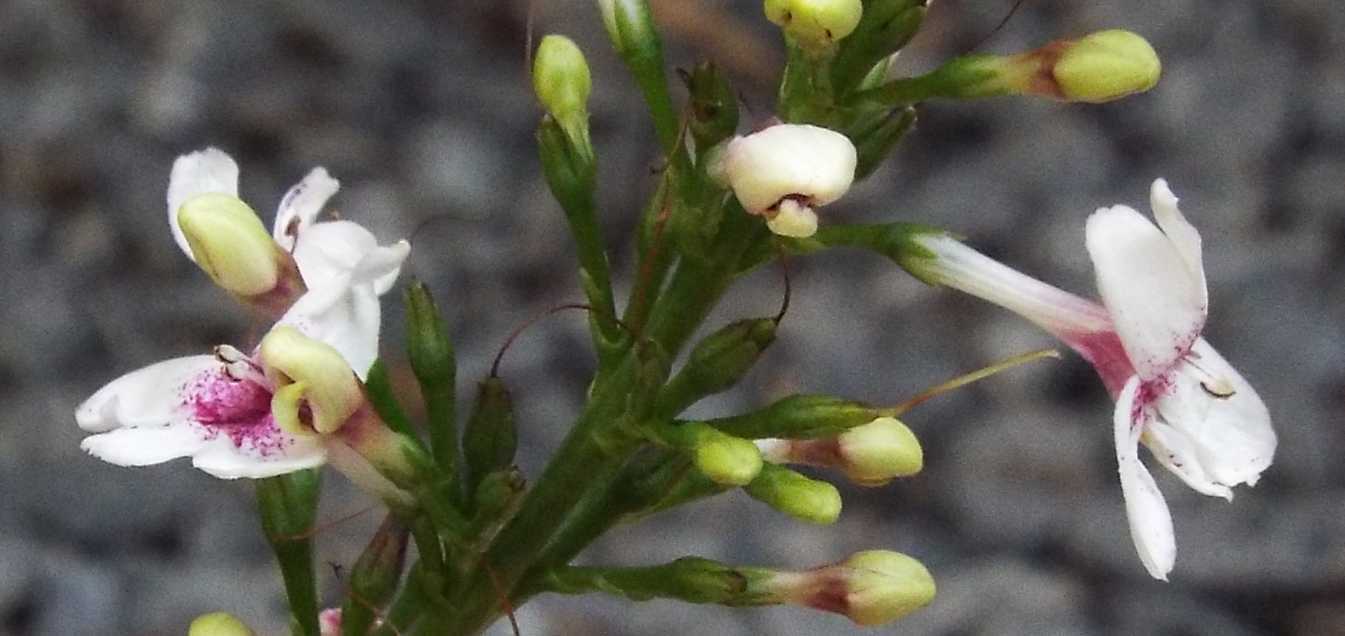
point(373, 578)
point(716, 364)
point(714, 106)
point(795, 495)
point(230, 244)
point(1106, 65)
point(218, 624)
point(815, 25)
point(490, 439)
point(561, 78)
point(435, 366)
point(798, 416)
point(727, 460)
point(328, 387)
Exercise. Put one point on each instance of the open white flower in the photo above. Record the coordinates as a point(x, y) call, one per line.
point(341, 264)
point(1198, 416)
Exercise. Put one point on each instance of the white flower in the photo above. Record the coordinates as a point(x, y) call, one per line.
point(1175, 393)
point(221, 410)
point(341, 264)
point(786, 170)
point(214, 409)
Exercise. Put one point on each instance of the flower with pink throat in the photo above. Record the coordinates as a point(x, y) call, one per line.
point(1197, 415)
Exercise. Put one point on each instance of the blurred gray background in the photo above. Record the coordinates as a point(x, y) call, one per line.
point(422, 110)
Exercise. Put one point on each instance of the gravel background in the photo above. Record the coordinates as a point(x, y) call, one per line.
point(422, 110)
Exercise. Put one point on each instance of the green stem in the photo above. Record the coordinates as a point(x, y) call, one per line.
point(288, 505)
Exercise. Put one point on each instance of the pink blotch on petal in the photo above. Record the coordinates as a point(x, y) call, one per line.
point(240, 409)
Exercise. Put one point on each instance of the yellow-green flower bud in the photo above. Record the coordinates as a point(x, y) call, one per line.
point(727, 460)
point(218, 624)
point(230, 244)
point(795, 495)
point(883, 586)
point(815, 25)
point(561, 78)
point(877, 452)
point(1106, 65)
point(329, 388)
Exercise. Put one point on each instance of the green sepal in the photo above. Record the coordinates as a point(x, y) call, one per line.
point(289, 506)
point(874, 145)
point(886, 27)
point(490, 438)
point(435, 367)
point(373, 578)
point(716, 364)
point(378, 386)
point(798, 417)
point(801, 497)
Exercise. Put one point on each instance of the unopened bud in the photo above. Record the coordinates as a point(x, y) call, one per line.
point(561, 78)
point(795, 495)
point(1106, 65)
point(870, 588)
point(218, 624)
point(815, 25)
point(717, 363)
point(1097, 68)
point(373, 578)
point(230, 244)
point(326, 386)
point(714, 106)
point(798, 416)
point(724, 459)
point(868, 455)
point(784, 171)
point(490, 439)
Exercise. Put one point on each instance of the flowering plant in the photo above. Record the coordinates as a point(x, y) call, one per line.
point(731, 198)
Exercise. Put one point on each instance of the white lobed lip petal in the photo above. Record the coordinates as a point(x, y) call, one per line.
point(1177, 453)
point(789, 159)
point(201, 172)
point(328, 253)
point(1156, 304)
point(151, 396)
point(1146, 511)
point(145, 446)
point(1227, 424)
point(301, 206)
point(223, 460)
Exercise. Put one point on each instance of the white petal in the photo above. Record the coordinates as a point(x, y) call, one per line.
point(201, 172)
point(224, 460)
point(348, 320)
point(1155, 303)
point(1183, 235)
point(1226, 422)
point(145, 446)
point(330, 252)
point(1147, 512)
point(360, 472)
point(789, 159)
point(1178, 453)
point(301, 205)
point(383, 265)
point(152, 396)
